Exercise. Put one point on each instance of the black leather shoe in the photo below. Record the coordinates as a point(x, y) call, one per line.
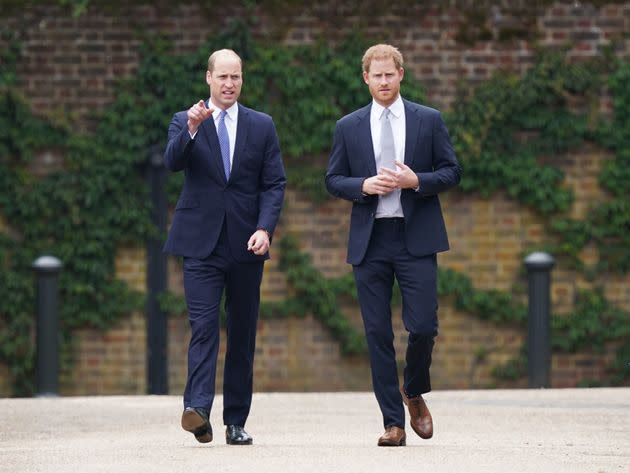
point(197, 421)
point(236, 435)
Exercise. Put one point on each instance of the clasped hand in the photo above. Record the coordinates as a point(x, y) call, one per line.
point(388, 180)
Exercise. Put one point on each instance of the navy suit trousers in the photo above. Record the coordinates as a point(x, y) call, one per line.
point(204, 283)
point(387, 257)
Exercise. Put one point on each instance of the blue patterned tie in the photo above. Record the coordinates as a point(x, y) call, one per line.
point(224, 143)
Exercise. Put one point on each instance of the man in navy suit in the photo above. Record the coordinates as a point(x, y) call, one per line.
point(222, 226)
point(391, 159)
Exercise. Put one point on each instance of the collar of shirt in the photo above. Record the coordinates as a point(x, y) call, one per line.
point(232, 112)
point(396, 108)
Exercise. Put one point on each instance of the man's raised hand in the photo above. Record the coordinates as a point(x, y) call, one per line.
point(197, 114)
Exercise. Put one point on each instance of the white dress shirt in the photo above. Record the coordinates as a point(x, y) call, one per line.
point(397, 120)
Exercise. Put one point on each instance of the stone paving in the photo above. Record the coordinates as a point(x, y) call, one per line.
point(554, 431)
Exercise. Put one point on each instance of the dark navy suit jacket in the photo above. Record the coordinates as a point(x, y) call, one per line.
point(251, 199)
point(428, 152)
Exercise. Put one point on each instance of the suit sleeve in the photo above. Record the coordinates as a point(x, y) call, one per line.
point(273, 182)
point(446, 170)
point(179, 143)
point(339, 181)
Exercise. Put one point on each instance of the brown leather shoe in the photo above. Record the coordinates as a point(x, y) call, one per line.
point(420, 417)
point(393, 437)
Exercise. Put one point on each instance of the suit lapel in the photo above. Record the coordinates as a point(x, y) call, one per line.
point(364, 135)
point(412, 132)
point(242, 127)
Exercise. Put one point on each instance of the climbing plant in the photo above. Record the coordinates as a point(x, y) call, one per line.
point(608, 223)
point(98, 199)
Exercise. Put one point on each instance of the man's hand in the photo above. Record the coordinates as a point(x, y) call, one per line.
point(259, 242)
point(380, 184)
point(403, 178)
point(389, 179)
point(197, 114)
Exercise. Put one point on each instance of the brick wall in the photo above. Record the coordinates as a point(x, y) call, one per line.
point(71, 65)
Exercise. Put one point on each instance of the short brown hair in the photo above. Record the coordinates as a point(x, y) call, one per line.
point(221, 52)
point(382, 51)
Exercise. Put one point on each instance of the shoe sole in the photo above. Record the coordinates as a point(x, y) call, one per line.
point(402, 443)
point(197, 425)
point(248, 442)
point(420, 434)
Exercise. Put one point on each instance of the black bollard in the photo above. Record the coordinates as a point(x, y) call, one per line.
point(539, 326)
point(47, 275)
point(157, 319)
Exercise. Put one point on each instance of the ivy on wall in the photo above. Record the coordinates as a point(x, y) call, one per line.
point(80, 215)
point(315, 294)
point(608, 222)
point(99, 200)
point(511, 131)
point(591, 326)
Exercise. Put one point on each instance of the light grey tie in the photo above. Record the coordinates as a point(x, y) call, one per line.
point(388, 203)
